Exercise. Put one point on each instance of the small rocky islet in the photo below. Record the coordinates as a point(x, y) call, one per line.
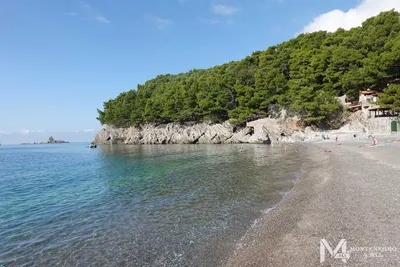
point(51, 140)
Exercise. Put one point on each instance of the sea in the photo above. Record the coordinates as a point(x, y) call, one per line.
point(136, 205)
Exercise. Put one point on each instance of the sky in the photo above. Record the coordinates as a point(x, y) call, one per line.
point(60, 60)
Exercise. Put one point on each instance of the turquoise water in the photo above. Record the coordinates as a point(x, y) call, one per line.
point(177, 205)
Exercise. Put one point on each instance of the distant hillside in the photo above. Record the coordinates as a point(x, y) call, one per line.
point(304, 74)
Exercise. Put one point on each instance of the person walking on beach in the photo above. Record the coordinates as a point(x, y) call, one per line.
point(337, 140)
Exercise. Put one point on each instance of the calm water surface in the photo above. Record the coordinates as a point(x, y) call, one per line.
point(178, 205)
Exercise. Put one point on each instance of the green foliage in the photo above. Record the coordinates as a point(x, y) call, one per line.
point(390, 97)
point(304, 74)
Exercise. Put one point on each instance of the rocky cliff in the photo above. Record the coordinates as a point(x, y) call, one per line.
point(266, 131)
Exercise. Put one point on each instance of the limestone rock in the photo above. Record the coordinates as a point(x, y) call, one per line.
point(265, 131)
point(242, 136)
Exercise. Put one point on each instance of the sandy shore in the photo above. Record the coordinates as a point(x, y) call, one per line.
point(351, 193)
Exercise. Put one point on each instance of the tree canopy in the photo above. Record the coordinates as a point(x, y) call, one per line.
point(390, 97)
point(304, 74)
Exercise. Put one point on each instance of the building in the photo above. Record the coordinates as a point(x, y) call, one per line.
point(383, 125)
point(381, 120)
point(395, 81)
point(354, 106)
point(368, 98)
point(377, 111)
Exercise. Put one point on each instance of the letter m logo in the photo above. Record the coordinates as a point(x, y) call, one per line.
point(343, 255)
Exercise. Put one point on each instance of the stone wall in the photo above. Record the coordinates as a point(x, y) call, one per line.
point(380, 126)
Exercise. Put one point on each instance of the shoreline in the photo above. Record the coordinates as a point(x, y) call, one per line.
point(219, 248)
point(340, 196)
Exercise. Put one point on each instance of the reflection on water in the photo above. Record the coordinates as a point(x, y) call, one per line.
point(170, 205)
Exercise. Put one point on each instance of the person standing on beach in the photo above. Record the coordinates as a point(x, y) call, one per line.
point(337, 140)
point(375, 141)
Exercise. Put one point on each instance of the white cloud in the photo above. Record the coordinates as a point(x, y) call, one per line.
point(213, 21)
point(335, 19)
point(161, 23)
point(85, 5)
point(87, 131)
point(26, 132)
point(224, 10)
point(230, 22)
point(71, 14)
point(210, 21)
point(102, 19)
point(89, 12)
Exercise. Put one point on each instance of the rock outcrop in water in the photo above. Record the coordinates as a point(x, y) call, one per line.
point(264, 131)
point(54, 141)
point(51, 140)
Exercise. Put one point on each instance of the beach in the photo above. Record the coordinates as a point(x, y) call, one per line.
point(351, 193)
